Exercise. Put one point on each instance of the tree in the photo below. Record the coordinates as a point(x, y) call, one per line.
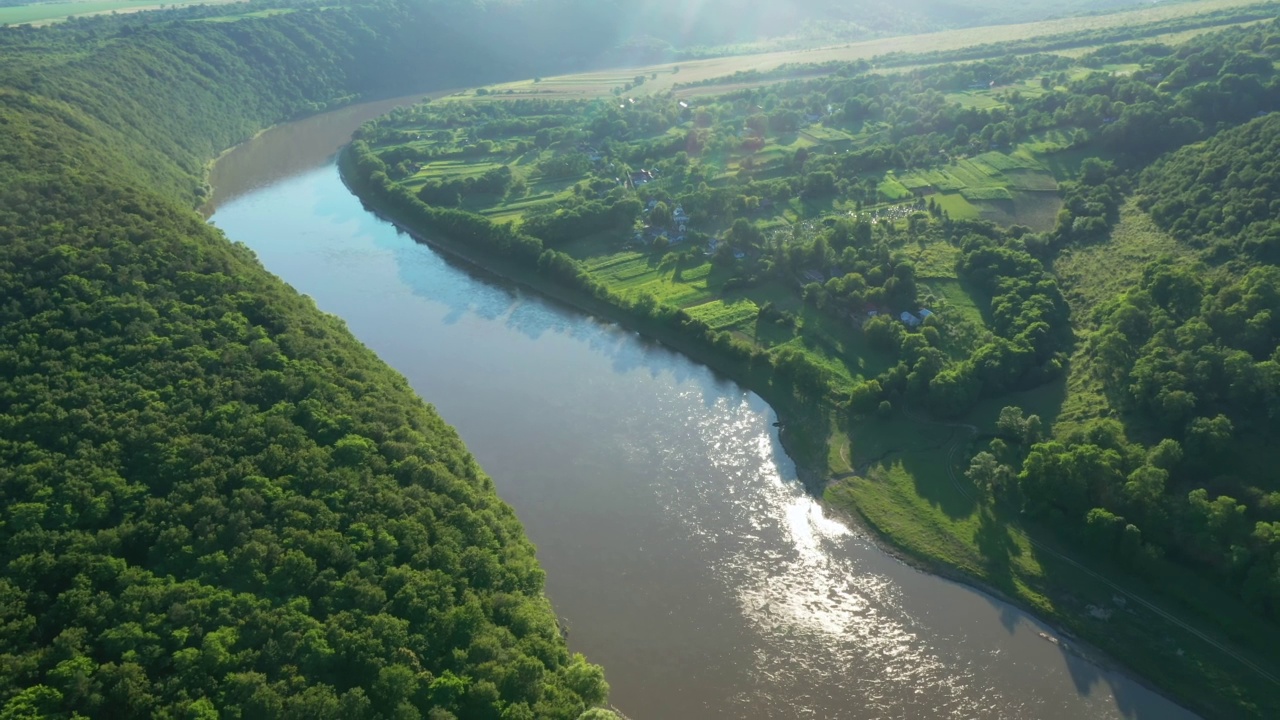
point(1011, 424)
point(865, 397)
point(1094, 172)
point(988, 474)
point(820, 184)
point(660, 215)
point(1208, 439)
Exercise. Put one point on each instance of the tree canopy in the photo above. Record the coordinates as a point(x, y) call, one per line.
point(214, 502)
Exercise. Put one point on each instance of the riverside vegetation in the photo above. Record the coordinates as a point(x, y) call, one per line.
point(866, 248)
point(217, 504)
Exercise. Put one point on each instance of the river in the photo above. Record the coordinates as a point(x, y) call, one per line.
point(680, 550)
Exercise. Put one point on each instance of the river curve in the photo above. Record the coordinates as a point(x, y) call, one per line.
point(680, 550)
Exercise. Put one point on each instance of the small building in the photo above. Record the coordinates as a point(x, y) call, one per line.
point(925, 313)
point(908, 319)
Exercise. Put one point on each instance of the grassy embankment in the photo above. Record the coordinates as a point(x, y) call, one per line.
point(904, 476)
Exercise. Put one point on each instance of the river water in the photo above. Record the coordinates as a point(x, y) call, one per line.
point(680, 550)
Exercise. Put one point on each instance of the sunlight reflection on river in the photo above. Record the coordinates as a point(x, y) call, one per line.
point(825, 622)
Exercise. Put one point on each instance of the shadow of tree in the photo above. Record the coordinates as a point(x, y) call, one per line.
point(926, 460)
point(995, 543)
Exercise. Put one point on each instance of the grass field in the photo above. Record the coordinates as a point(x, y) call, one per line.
point(270, 12)
point(670, 74)
point(44, 13)
point(1013, 187)
point(1173, 38)
point(634, 274)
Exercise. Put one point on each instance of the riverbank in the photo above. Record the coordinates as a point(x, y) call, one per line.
point(804, 436)
point(802, 430)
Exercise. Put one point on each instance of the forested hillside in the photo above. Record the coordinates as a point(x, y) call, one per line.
point(1224, 195)
point(1188, 360)
point(214, 502)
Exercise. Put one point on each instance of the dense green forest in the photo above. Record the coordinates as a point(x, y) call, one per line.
point(884, 243)
point(216, 502)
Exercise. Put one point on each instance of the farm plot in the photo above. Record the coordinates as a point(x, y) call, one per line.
point(992, 177)
point(724, 315)
point(635, 274)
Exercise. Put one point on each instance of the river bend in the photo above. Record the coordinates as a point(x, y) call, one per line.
point(680, 550)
